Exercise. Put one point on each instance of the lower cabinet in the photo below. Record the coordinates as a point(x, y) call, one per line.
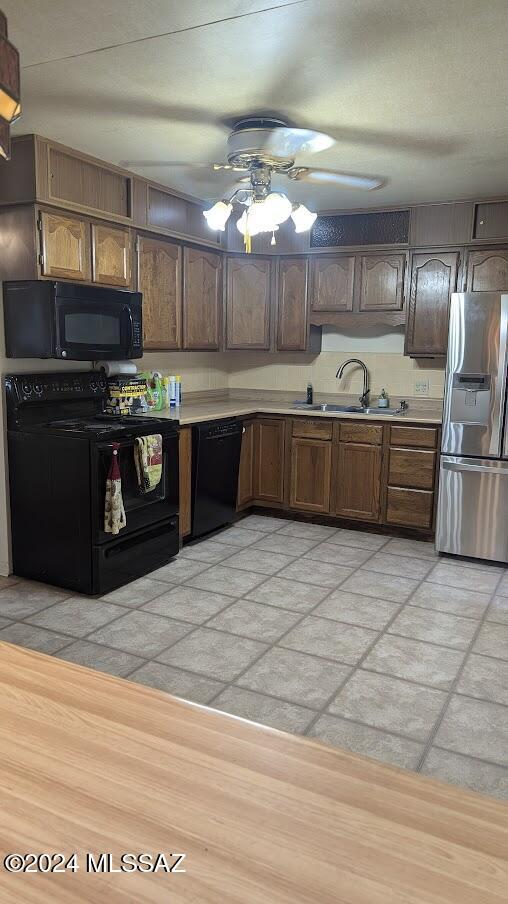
point(269, 452)
point(354, 470)
point(357, 481)
point(246, 472)
point(311, 466)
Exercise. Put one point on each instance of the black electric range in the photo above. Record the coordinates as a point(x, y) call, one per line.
point(60, 448)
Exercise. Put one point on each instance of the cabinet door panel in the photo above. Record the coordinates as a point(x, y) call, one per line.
point(160, 281)
point(65, 246)
point(487, 271)
point(269, 459)
point(246, 473)
point(433, 279)
point(412, 468)
point(292, 308)
point(248, 302)
point(381, 282)
point(358, 481)
point(332, 282)
point(111, 256)
point(409, 508)
point(202, 297)
point(311, 462)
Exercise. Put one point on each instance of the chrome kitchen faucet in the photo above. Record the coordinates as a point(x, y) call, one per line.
point(364, 398)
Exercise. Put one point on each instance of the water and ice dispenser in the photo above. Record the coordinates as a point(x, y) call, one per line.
point(470, 399)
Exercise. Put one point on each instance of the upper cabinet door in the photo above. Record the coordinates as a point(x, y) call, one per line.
point(160, 281)
point(332, 282)
point(433, 279)
point(202, 298)
point(381, 282)
point(65, 246)
point(487, 271)
point(111, 255)
point(248, 302)
point(292, 327)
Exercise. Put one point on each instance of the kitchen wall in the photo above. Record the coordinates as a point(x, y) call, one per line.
point(383, 353)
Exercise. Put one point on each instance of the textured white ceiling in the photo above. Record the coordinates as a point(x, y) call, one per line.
point(413, 90)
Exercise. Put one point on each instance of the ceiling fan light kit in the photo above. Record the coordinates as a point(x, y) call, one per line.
point(10, 103)
point(259, 147)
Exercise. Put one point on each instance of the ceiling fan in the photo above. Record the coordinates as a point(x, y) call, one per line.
point(258, 147)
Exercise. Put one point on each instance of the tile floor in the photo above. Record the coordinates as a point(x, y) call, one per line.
point(366, 642)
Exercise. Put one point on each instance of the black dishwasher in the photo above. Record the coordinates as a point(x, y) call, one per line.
point(215, 463)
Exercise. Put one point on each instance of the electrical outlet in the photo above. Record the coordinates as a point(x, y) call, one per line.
point(422, 386)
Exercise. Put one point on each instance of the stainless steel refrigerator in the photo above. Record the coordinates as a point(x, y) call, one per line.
point(472, 518)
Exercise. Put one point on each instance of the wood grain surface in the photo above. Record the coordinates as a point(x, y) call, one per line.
point(94, 763)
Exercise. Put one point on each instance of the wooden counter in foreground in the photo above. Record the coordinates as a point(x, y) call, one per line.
point(92, 763)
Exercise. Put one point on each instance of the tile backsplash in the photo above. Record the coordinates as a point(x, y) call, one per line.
point(388, 369)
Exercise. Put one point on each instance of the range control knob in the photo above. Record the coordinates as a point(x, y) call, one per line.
point(26, 387)
point(38, 388)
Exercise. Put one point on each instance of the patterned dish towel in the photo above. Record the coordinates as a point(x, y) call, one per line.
point(148, 460)
point(114, 512)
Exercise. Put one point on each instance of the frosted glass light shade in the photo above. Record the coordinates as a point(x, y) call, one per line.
point(278, 207)
point(218, 215)
point(302, 218)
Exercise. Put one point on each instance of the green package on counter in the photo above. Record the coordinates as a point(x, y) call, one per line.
point(154, 391)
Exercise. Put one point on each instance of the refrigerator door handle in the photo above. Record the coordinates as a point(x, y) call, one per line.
point(482, 468)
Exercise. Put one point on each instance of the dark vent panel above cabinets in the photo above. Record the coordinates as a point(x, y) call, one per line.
point(378, 228)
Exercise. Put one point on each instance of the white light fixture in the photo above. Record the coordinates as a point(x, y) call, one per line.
point(302, 218)
point(218, 215)
point(278, 208)
point(264, 212)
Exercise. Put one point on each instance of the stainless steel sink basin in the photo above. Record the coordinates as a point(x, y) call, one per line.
point(352, 409)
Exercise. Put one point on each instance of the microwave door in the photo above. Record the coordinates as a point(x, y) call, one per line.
point(475, 385)
point(92, 331)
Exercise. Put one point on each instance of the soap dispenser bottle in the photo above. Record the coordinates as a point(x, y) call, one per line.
point(383, 400)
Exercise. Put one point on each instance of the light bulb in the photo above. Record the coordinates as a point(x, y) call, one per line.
point(278, 207)
point(302, 218)
point(218, 215)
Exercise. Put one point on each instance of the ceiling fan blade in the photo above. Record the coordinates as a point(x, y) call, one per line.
point(349, 180)
point(288, 142)
point(148, 163)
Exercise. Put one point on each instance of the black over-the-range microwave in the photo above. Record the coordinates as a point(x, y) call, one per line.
point(46, 319)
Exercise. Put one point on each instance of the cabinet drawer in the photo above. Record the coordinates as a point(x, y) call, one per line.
point(412, 468)
point(361, 433)
point(411, 508)
point(314, 428)
point(422, 437)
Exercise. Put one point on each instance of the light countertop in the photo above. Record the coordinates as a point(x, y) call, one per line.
point(193, 412)
point(93, 763)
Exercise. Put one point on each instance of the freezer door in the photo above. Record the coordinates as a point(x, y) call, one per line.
point(472, 508)
point(476, 375)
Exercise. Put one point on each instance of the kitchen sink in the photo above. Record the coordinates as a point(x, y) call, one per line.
point(352, 409)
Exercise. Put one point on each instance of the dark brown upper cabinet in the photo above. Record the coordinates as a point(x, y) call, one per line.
point(160, 281)
point(292, 313)
point(381, 282)
point(248, 290)
point(433, 277)
point(202, 299)
point(487, 271)
point(332, 279)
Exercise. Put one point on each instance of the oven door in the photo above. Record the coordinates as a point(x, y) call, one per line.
point(93, 330)
point(142, 510)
